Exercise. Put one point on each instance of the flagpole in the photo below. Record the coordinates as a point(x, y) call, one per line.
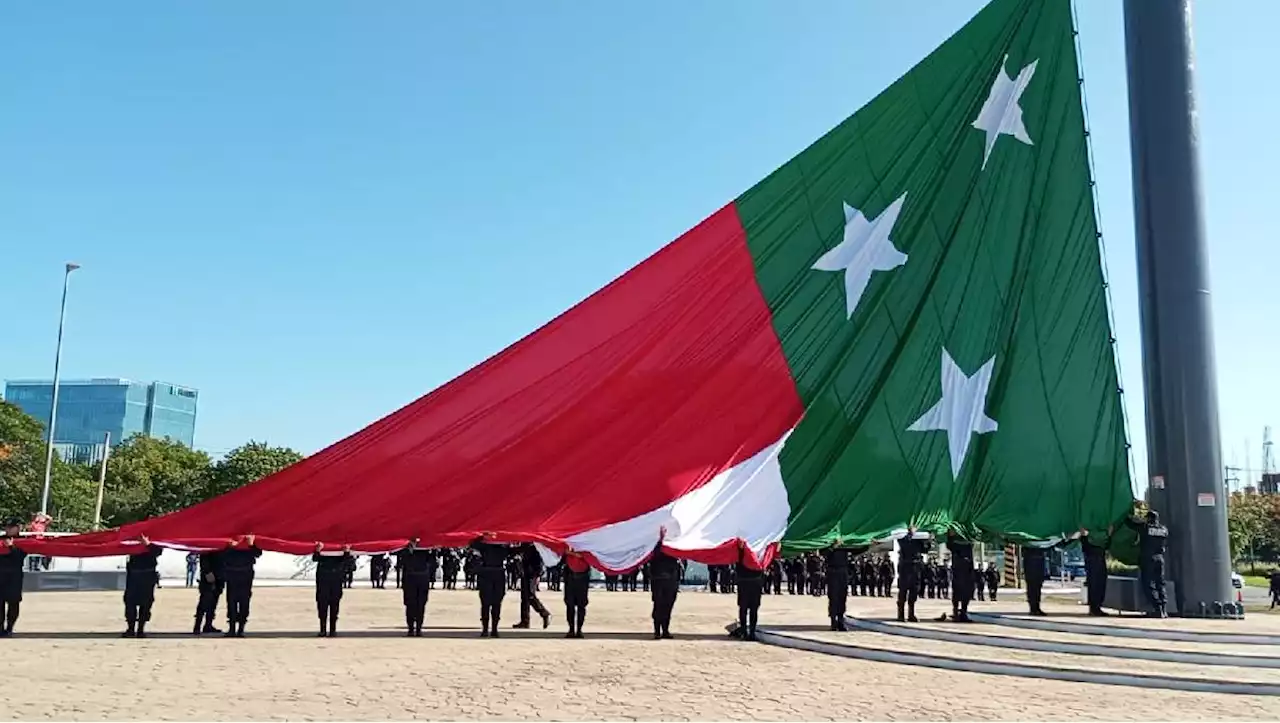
point(53, 407)
point(1183, 447)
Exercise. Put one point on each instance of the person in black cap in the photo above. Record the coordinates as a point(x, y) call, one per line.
point(237, 565)
point(418, 572)
point(1153, 539)
point(491, 582)
point(140, 583)
point(330, 570)
point(12, 565)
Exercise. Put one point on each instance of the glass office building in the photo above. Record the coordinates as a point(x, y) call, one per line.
point(90, 408)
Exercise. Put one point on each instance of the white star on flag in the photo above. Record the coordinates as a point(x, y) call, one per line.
point(961, 411)
point(866, 248)
point(1001, 114)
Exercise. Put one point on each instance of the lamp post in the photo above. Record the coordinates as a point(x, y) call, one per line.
point(53, 408)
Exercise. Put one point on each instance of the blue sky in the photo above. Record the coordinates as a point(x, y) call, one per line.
point(317, 212)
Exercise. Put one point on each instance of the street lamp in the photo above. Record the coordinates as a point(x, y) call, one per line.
point(53, 408)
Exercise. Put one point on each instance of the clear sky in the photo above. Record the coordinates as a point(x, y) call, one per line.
point(316, 212)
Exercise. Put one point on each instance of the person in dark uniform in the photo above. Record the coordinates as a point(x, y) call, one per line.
point(530, 570)
point(513, 570)
point(962, 576)
point(749, 583)
point(1153, 540)
point(813, 572)
point(886, 576)
point(713, 578)
point(837, 559)
point(910, 559)
point(418, 571)
point(140, 580)
point(1033, 572)
point(433, 567)
point(470, 564)
point(665, 588)
point(210, 589)
point(12, 568)
point(1275, 588)
point(555, 576)
point(330, 571)
point(350, 572)
point(399, 567)
point(237, 566)
point(645, 573)
point(801, 574)
point(449, 567)
point(992, 576)
point(1094, 547)
point(577, 585)
point(928, 586)
point(979, 583)
point(491, 582)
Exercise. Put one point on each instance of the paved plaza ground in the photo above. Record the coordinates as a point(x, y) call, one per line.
point(66, 662)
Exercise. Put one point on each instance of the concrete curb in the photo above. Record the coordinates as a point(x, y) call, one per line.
point(1186, 636)
point(1055, 646)
point(1150, 682)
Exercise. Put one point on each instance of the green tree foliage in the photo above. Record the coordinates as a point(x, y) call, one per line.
point(21, 462)
point(248, 463)
point(146, 477)
point(1253, 526)
point(72, 491)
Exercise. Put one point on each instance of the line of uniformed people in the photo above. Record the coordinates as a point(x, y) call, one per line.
point(231, 570)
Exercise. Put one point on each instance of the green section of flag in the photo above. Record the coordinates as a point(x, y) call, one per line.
point(1002, 263)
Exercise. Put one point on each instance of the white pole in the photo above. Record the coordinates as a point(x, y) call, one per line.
point(102, 481)
point(53, 408)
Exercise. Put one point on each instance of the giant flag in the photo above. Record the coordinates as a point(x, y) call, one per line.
point(905, 326)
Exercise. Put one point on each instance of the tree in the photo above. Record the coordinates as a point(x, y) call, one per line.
point(246, 464)
point(147, 477)
point(72, 489)
point(21, 462)
point(1250, 518)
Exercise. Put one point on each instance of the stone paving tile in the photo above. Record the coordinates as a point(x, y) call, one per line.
point(67, 663)
point(1269, 651)
point(884, 641)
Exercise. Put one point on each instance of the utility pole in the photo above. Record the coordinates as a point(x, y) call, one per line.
point(53, 406)
point(102, 481)
point(1173, 282)
point(1232, 475)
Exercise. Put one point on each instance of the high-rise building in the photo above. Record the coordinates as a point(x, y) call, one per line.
point(90, 408)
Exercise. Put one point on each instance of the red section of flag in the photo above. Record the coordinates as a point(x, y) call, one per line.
point(634, 397)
